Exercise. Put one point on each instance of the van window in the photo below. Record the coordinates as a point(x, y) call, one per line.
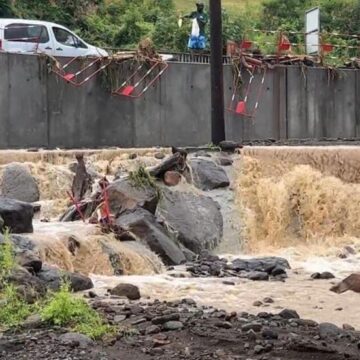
point(66, 38)
point(26, 33)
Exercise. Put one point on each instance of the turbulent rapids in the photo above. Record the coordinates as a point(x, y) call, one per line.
point(84, 248)
point(302, 197)
point(297, 202)
point(284, 197)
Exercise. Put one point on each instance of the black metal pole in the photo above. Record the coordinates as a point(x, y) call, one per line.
point(217, 81)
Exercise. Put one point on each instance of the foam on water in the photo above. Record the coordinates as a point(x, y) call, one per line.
point(291, 198)
point(76, 246)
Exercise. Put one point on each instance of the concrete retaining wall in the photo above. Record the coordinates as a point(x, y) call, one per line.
point(39, 110)
point(308, 103)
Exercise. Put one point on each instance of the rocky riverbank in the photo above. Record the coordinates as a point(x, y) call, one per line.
point(183, 330)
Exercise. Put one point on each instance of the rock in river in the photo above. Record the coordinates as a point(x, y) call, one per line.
point(352, 282)
point(16, 215)
point(127, 290)
point(123, 195)
point(207, 175)
point(52, 277)
point(145, 227)
point(196, 218)
point(289, 314)
point(17, 183)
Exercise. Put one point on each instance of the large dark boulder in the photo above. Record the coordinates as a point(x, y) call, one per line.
point(352, 282)
point(145, 227)
point(124, 195)
point(265, 264)
point(196, 218)
point(17, 183)
point(29, 260)
point(130, 291)
point(207, 175)
point(16, 215)
point(24, 251)
point(29, 286)
point(19, 243)
point(52, 278)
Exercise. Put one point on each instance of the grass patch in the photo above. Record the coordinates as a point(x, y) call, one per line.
point(7, 256)
point(64, 309)
point(212, 147)
point(142, 179)
point(13, 309)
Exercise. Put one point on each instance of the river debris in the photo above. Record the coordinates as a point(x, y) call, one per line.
point(249, 59)
point(82, 183)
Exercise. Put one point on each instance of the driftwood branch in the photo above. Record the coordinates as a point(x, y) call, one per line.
point(176, 162)
point(82, 182)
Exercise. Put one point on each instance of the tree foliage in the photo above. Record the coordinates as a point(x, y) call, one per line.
point(5, 8)
point(336, 16)
point(122, 23)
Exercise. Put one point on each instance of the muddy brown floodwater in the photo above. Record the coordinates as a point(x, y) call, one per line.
point(300, 203)
point(311, 298)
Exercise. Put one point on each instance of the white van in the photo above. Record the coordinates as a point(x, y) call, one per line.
point(32, 36)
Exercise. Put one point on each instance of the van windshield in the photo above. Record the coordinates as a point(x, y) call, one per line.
point(26, 33)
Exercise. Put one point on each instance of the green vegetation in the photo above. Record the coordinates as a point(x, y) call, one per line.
point(64, 309)
point(60, 308)
point(13, 309)
point(233, 7)
point(123, 23)
point(141, 178)
point(212, 147)
point(7, 262)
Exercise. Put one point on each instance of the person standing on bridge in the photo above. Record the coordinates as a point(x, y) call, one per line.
point(197, 39)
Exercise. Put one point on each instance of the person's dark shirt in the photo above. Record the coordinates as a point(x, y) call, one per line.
point(202, 20)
